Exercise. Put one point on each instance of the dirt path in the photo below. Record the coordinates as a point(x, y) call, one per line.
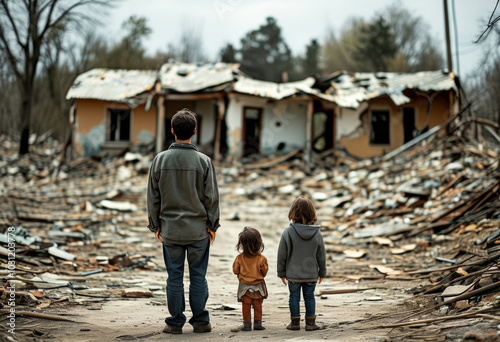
point(120, 319)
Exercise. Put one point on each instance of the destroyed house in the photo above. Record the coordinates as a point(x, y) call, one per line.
point(363, 114)
point(111, 110)
point(375, 113)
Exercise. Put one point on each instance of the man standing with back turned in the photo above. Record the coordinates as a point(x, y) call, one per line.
point(183, 209)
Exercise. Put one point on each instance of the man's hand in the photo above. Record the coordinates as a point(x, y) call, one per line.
point(212, 236)
point(284, 280)
point(158, 236)
point(320, 280)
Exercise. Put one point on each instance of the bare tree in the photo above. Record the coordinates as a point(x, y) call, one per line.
point(8, 99)
point(335, 54)
point(486, 78)
point(189, 48)
point(393, 40)
point(417, 49)
point(25, 28)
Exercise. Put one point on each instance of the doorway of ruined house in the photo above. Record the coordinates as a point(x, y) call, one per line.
point(409, 123)
point(323, 128)
point(252, 120)
point(118, 130)
point(119, 125)
point(223, 148)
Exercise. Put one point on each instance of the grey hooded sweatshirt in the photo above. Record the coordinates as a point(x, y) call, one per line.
point(301, 253)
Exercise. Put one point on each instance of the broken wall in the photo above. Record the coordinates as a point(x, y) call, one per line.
point(354, 127)
point(92, 121)
point(347, 121)
point(143, 125)
point(282, 125)
point(206, 110)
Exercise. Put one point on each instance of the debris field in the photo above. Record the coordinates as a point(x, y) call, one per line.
point(428, 212)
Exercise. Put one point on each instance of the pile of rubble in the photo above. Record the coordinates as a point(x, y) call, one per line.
point(70, 222)
point(429, 210)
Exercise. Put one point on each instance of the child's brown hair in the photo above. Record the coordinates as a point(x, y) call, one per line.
point(250, 242)
point(302, 211)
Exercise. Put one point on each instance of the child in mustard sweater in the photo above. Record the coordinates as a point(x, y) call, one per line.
point(251, 267)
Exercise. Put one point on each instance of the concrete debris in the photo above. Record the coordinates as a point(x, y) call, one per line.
point(430, 211)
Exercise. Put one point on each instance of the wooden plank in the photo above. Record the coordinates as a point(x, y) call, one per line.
point(221, 110)
point(136, 292)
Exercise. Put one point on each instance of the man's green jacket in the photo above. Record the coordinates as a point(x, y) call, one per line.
point(182, 196)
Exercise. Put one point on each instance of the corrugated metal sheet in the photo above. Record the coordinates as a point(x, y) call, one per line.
point(344, 89)
point(190, 78)
point(271, 90)
point(350, 90)
point(112, 85)
point(425, 80)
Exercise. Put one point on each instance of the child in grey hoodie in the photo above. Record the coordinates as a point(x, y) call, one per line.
point(302, 261)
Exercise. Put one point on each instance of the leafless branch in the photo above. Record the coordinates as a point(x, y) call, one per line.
point(68, 11)
point(10, 17)
point(10, 55)
point(49, 16)
point(491, 23)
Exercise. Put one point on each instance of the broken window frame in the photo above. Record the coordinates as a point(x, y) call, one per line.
point(314, 139)
point(371, 137)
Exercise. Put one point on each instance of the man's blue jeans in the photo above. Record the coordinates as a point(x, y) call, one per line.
point(197, 256)
point(294, 300)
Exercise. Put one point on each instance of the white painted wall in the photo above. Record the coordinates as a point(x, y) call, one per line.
point(282, 121)
point(205, 108)
point(234, 125)
point(347, 122)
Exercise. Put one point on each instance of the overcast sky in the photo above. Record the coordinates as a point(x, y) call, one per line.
point(227, 21)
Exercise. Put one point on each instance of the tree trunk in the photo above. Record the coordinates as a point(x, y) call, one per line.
point(24, 124)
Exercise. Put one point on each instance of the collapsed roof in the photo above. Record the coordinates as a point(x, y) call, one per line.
point(113, 85)
point(350, 90)
point(342, 88)
point(191, 78)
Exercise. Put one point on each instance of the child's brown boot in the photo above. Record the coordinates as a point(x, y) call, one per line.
point(247, 326)
point(311, 324)
point(257, 325)
point(294, 324)
point(257, 317)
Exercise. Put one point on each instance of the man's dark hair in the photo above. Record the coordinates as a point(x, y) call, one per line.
point(184, 123)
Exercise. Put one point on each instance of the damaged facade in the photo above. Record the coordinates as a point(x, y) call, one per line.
point(111, 110)
point(363, 114)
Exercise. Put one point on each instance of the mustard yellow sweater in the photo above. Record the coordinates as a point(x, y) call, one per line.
point(250, 270)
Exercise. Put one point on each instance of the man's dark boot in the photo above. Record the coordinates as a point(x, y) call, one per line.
point(203, 328)
point(311, 324)
point(257, 325)
point(294, 324)
point(172, 330)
